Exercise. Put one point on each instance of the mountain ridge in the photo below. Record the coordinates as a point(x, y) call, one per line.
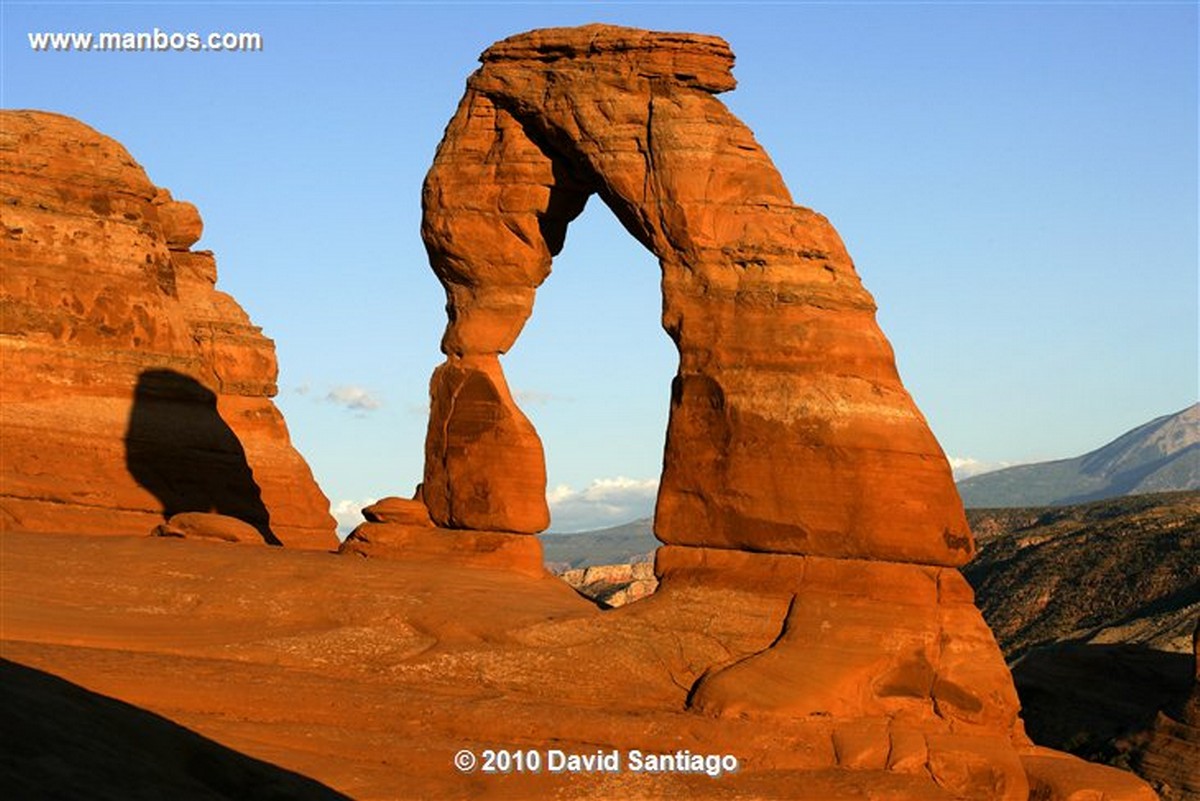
point(629, 542)
point(1161, 455)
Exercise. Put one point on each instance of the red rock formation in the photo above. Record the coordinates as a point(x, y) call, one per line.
point(397, 510)
point(789, 429)
point(809, 615)
point(875, 638)
point(497, 550)
point(484, 467)
point(798, 477)
point(790, 432)
point(133, 389)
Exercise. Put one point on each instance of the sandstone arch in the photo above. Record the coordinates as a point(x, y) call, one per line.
point(789, 428)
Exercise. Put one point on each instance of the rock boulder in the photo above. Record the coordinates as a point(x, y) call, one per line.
point(209, 526)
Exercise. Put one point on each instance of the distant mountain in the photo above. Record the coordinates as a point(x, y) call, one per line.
point(1160, 456)
point(632, 542)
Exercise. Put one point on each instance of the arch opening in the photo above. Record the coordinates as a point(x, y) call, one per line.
point(592, 371)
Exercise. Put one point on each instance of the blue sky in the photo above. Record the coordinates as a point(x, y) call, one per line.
point(1017, 183)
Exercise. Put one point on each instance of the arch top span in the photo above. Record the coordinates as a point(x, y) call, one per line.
point(789, 428)
point(694, 60)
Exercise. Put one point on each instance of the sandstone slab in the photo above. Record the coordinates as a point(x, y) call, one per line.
point(208, 526)
point(397, 510)
point(497, 550)
point(1055, 776)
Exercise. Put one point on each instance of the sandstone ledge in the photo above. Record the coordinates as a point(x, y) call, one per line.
point(498, 550)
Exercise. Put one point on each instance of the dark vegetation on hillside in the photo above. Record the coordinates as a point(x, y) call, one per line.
point(1094, 606)
point(1121, 570)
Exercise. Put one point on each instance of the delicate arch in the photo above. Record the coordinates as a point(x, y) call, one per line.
point(789, 428)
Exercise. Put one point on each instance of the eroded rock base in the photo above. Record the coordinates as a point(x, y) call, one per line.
point(499, 550)
point(860, 638)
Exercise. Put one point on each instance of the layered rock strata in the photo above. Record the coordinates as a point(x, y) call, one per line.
point(613, 585)
point(133, 389)
point(790, 434)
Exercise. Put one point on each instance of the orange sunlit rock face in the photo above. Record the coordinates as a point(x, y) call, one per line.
point(789, 431)
point(133, 388)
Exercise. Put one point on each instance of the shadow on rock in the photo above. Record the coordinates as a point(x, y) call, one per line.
point(1086, 698)
point(179, 449)
point(63, 741)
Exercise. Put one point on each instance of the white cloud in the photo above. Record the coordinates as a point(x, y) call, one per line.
point(967, 466)
point(603, 503)
point(348, 514)
point(354, 398)
point(533, 397)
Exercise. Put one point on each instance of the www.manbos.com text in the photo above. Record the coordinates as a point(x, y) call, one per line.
point(152, 41)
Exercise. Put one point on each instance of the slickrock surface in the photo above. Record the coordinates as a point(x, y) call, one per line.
point(367, 676)
point(789, 429)
point(133, 389)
